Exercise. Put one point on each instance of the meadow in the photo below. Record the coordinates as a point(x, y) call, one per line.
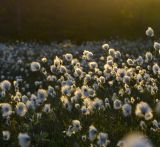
point(103, 93)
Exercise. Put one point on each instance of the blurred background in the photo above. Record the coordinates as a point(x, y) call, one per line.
point(77, 20)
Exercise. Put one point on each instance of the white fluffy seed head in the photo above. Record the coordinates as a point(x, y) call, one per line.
point(150, 32)
point(68, 57)
point(135, 140)
point(47, 108)
point(42, 95)
point(35, 66)
point(6, 135)
point(155, 68)
point(6, 109)
point(126, 109)
point(130, 62)
point(44, 59)
point(21, 109)
point(105, 46)
point(156, 45)
point(24, 140)
point(149, 56)
point(144, 110)
point(103, 139)
point(117, 104)
point(5, 85)
point(76, 125)
point(92, 133)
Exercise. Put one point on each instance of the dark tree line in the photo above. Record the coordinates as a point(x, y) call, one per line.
point(76, 19)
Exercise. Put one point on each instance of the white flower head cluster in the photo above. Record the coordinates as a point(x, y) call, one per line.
point(135, 140)
point(65, 95)
point(24, 139)
point(150, 32)
point(35, 66)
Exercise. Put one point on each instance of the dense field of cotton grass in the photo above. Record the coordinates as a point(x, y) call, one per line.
point(95, 94)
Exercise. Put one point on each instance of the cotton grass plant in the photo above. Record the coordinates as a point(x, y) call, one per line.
point(89, 95)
